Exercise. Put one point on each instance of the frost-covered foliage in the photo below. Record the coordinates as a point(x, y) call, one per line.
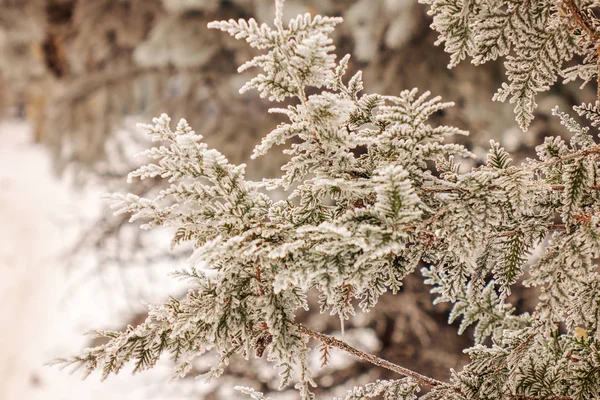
point(537, 38)
point(402, 389)
point(374, 192)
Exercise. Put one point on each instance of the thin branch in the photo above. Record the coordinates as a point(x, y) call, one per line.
point(380, 362)
point(582, 21)
point(518, 348)
point(517, 232)
point(330, 341)
point(562, 187)
point(520, 397)
point(582, 153)
point(586, 25)
point(440, 189)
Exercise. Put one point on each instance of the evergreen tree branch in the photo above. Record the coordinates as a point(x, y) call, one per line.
point(585, 24)
point(330, 341)
point(373, 155)
point(553, 228)
point(582, 21)
point(562, 187)
point(520, 397)
point(519, 347)
point(595, 150)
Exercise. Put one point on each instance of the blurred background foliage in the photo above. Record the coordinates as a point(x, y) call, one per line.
point(82, 72)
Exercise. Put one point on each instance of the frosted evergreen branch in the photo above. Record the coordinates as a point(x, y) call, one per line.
point(595, 150)
point(525, 343)
point(590, 112)
point(371, 192)
point(592, 34)
point(521, 397)
point(399, 389)
point(380, 362)
point(582, 21)
point(551, 228)
point(535, 38)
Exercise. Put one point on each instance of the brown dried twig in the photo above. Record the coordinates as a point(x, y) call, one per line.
point(330, 341)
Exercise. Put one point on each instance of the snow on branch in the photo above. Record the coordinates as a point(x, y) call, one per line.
point(373, 191)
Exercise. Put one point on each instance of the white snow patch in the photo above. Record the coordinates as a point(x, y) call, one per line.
point(46, 309)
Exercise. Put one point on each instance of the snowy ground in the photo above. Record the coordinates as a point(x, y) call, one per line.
point(45, 310)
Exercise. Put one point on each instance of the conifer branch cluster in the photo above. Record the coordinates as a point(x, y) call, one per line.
point(537, 38)
point(374, 191)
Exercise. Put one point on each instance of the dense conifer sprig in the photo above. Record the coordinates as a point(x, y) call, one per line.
point(374, 192)
point(536, 38)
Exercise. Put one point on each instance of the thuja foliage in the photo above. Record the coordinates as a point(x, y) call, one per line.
point(537, 38)
point(374, 192)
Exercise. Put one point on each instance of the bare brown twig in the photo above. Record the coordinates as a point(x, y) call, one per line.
point(330, 341)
